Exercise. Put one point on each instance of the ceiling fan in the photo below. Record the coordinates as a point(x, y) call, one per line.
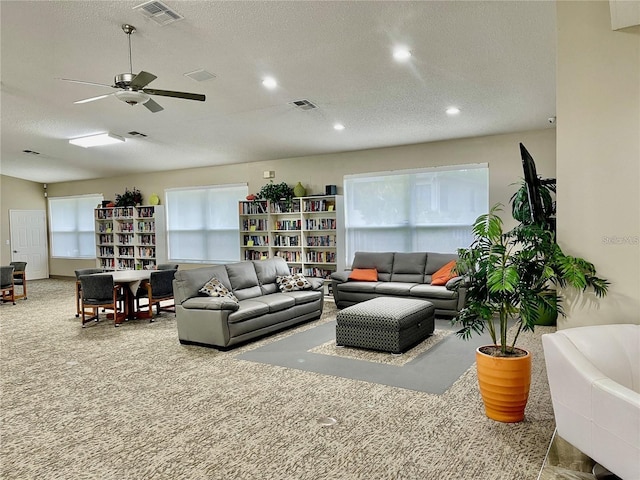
point(131, 87)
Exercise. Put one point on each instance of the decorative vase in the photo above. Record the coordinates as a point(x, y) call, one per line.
point(504, 385)
point(299, 190)
point(154, 199)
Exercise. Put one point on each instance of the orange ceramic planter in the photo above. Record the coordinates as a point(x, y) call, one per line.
point(504, 385)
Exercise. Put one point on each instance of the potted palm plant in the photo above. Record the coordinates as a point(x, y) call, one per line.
point(511, 279)
point(521, 211)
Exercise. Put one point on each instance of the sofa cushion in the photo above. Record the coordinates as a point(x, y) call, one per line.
point(381, 261)
point(276, 301)
point(429, 291)
point(444, 274)
point(305, 296)
point(244, 280)
point(435, 261)
point(409, 267)
point(215, 288)
point(248, 309)
point(188, 282)
point(267, 272)
point(394, 288)
point(364, 275)
point(368, 287)
point(291, 283)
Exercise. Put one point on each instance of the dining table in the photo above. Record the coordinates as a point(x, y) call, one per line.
point(130, 280)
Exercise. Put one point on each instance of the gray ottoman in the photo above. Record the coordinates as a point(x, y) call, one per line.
point(385, 323)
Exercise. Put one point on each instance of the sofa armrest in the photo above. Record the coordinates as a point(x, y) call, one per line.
point(454, 283)
point(210, 303)
point(316, 283)
point(340, 277)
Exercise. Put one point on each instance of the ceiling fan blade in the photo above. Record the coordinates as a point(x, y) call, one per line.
point(87, 100)
point(86, 83)
point(153, 106)
point(170, 93)
point(142, 80)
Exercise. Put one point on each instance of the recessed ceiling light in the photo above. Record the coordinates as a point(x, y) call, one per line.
point(96, 140)
point(401, 54)
point(269, 82)
point(452, 111)
point(338, 126)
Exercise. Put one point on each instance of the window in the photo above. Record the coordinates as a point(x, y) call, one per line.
point(414, 210)
point(72, 226)
point(202, 223)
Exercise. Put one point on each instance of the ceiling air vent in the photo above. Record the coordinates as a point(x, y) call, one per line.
point(133, 133)
point(158, 12)
point(200, 75)
point(31, 152)
point(303, 104)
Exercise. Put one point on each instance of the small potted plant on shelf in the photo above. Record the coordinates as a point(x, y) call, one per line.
point(276, 192)
point(129, 198)
point(512, 277)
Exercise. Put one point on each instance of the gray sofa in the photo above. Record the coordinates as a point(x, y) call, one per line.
point(261, 307)
point(406, 275)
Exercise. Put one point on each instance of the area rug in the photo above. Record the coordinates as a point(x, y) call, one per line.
point(132, 403)
point(430, 367)
point(330, 348)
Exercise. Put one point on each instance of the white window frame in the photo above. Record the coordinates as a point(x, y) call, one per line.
point(75, 225)
point(408, 231)
point(183, 228)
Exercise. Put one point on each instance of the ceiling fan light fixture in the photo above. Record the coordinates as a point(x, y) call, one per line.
point(132, 97)
point(97, 140)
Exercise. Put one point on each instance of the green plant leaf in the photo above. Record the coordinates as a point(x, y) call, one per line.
point(503, 279)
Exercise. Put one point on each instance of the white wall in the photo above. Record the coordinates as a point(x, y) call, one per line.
point(598, 157)
point(16, 194)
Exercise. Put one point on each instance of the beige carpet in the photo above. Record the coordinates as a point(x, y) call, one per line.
point(132, 403)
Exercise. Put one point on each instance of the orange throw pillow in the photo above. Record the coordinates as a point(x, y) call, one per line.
point(444, 274)
point(364, 275)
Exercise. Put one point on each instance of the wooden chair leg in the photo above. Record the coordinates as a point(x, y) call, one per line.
point(77, 299)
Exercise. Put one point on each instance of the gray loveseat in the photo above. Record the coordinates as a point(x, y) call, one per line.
point(261, 307)
point(406, 275)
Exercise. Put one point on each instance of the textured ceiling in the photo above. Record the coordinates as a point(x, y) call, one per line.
point(494, 60)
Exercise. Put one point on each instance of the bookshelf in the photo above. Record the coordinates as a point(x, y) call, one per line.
point(307, 232)
point(130, 238)
point(322, 235)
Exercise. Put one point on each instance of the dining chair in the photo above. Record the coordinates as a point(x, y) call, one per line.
point(167, 266)
point(20, 278)
point(158, 289)
point(6, 284)
point(100, 291)
point(82, 271)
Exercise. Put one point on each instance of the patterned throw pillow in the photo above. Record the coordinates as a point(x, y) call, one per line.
point(289, 283)
point(215, 288)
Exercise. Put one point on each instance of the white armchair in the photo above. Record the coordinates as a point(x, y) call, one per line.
point(594, 377)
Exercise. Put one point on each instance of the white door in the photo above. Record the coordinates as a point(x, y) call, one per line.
point(29, 241)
